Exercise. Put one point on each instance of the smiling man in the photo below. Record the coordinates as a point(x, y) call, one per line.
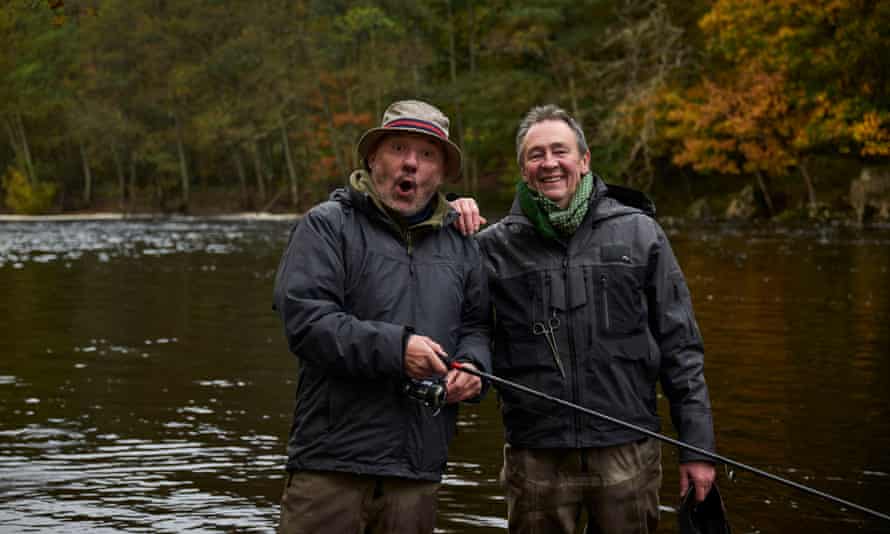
point(552, 162)
point(375, 287)
point(590, 307)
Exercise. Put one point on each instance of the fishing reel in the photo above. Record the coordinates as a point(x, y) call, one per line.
point(429, 392)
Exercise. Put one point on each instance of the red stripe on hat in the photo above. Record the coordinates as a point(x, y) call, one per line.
point(415, 123)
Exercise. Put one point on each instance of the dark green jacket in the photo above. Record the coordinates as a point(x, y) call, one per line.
point(348, 288)
point(626, 323)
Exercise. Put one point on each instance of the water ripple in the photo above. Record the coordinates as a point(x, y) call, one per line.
point(53, 241)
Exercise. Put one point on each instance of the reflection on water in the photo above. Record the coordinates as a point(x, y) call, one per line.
point(145, 386)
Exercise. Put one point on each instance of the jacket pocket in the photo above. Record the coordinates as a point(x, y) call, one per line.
point(619, 300)
point(630, 375)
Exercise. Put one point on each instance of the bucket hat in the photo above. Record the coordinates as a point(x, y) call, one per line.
point(706, 517)
point(414, 116)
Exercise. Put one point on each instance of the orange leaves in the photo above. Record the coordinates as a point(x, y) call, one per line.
point(362, 120)
point(797, 76)
point(740, 124)
point(705, 155)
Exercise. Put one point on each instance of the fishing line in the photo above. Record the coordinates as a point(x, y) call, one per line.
point(714, 456)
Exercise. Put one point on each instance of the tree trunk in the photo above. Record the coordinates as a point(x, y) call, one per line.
point(573, 95)
point(473, 169)
point(288, 158)
point(378, 97)
point(311, 150)
point(332, 131)
point(121, 180)
point(471, 44)
point(183, 165)
point(452, 56)
point(457, 133)
point(805, 172)
point(13, 140)
point(242, 177)
point(258, 170)
point(415, 67)
point(766, 197)
point(87, 175)
point(16, 132)
point(132, 185)
point(26, 149)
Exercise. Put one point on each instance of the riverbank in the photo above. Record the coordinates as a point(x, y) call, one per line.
point(120, 216)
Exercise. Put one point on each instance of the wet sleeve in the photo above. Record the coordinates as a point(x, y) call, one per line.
point(309, 298)
point(682, 351)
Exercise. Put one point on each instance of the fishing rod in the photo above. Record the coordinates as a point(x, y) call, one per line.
point(714, 456)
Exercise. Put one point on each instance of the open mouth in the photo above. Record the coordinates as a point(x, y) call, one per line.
point(406, 186)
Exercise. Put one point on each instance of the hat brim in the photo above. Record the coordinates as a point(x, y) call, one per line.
point(453, 156)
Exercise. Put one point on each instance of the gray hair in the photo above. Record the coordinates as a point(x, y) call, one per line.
point(550, 112)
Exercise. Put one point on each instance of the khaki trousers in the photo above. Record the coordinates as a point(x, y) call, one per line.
point(329, 502)
point(548, 490)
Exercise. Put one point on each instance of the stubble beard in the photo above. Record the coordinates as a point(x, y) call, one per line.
point(388, 197)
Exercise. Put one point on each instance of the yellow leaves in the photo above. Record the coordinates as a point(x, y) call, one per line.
point(23, 196)
point(785, 33)
point(873, 134)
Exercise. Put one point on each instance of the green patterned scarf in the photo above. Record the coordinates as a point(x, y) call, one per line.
point(548, 217)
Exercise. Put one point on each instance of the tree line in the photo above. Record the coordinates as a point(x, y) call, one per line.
point(155, 102)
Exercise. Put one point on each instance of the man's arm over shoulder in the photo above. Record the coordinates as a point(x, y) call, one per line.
point(309, 297)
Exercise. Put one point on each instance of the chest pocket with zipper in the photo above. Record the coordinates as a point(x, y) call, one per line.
point(618, 292)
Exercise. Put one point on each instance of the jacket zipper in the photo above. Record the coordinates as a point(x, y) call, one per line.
point(576, 422)
point(607, 323)
point(590, 287)
point(412, 281)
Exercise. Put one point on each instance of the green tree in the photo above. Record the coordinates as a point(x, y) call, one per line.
point(33, 63)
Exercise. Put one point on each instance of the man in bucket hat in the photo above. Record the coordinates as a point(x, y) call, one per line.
point(376, 286)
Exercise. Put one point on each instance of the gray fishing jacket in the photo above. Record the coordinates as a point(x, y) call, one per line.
point(350, 287)
point(625, 323)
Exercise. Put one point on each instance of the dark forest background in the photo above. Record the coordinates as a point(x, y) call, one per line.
point(754, 108)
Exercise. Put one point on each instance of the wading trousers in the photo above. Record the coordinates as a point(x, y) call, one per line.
point(550, 490)
point(341, 503)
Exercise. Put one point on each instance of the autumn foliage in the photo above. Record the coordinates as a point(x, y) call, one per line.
point(789, 78)
point(152, 100)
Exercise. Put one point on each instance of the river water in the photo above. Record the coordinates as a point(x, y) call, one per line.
point(145, 385)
